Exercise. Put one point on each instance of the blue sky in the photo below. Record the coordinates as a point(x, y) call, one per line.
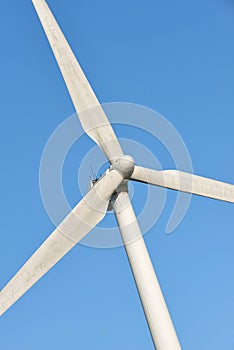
point(174, 57)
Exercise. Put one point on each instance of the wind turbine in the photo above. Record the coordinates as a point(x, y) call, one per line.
point(111, 187)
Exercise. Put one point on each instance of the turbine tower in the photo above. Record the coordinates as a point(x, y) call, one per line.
point(111, 187)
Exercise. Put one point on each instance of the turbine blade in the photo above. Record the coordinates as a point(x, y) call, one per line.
point(185, 182)
point(155, 308)
point(87, 214)
point(88, 108)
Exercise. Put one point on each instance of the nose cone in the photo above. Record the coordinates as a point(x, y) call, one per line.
point(124, 165)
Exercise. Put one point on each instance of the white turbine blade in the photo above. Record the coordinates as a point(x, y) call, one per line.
point(185, 182)
point(88, 108)
point(87, 214)
point(155, 308)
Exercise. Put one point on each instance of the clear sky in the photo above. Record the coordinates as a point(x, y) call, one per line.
point(176, 57)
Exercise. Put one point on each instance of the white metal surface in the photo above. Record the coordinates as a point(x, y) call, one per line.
point(161, 327)
point(184, 182)
point(88, 108)
point(87, 214)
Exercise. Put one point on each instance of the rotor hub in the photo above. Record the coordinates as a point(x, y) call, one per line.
point(124, 165)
